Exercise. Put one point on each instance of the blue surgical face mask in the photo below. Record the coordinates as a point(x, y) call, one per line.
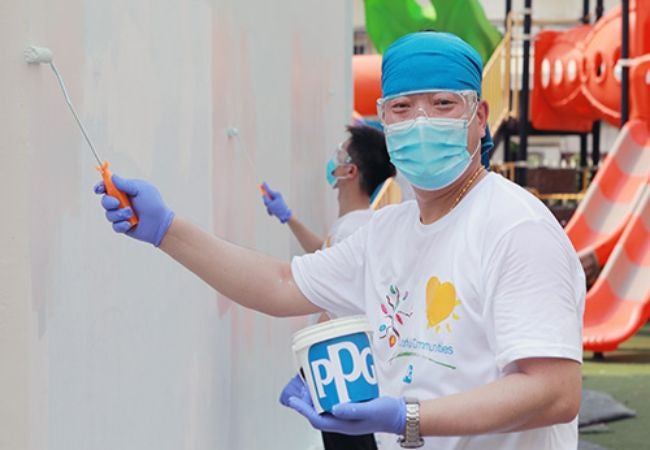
point(329, 172)
point(339, 158)
point(430, 152)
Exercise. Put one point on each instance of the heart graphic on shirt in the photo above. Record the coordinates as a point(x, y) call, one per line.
point(441, 302)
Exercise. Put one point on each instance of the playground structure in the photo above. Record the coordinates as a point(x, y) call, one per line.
point(617, 304)
point(578, 73)
point(598, 223)
point(585, 74)
point(592, 72)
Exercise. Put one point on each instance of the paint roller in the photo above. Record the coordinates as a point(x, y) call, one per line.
point(42, 55)
point(233, 133)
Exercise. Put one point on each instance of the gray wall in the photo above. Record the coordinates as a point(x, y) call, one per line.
point(105, 343)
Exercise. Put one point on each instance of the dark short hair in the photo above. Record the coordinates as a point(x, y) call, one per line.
point(367, 149)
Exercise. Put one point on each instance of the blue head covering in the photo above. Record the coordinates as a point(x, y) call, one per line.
point(432, 60)
point(486, 145)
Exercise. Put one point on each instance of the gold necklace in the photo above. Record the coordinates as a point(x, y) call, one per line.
point(466, 187)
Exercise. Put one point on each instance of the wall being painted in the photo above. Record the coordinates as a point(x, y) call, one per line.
point(106, 343)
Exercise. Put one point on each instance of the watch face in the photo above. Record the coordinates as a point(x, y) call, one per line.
point(419, 442)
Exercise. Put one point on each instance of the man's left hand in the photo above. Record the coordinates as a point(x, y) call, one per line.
point(383, 414)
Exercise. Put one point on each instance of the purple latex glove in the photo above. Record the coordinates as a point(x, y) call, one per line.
point(154, 217)
point(275, 204)
point(383, 414)
point(296, 387)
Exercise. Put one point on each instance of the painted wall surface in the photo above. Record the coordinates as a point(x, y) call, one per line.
point(106, 343)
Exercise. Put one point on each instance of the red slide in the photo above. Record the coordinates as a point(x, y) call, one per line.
point(617, 187)
point(577, 79)
point(618, 305)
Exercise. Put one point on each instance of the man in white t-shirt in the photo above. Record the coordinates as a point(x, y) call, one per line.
point(357, 169)
point(473, 290)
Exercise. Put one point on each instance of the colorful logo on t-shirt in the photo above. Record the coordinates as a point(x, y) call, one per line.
point(408, 379)
point(441, 302)
point(394, 315)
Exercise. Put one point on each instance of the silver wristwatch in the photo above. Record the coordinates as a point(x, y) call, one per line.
point(411, 438)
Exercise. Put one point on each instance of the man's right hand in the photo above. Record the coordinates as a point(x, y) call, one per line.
point(275, 204)
point(154, 217)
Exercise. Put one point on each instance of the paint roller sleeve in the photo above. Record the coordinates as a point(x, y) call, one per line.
point(38, 55)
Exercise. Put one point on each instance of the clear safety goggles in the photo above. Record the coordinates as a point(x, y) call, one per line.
point(437, 103)
point(340, 155)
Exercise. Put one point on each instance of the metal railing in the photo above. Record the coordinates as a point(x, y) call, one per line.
point(496, 82)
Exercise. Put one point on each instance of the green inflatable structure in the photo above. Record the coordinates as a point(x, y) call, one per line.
point(388, 20)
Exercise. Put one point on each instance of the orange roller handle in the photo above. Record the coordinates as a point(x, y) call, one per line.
point(264, 193)
point(115, 192)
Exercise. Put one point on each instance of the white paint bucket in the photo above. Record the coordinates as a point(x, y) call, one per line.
point(335, 359)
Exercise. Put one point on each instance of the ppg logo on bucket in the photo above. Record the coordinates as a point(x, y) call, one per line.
point(343, 370)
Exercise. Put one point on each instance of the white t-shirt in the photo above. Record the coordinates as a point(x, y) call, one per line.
point(405, 187)
point(345, 225)
point(454, 303)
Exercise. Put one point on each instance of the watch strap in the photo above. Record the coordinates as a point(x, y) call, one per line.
point(411, 438)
